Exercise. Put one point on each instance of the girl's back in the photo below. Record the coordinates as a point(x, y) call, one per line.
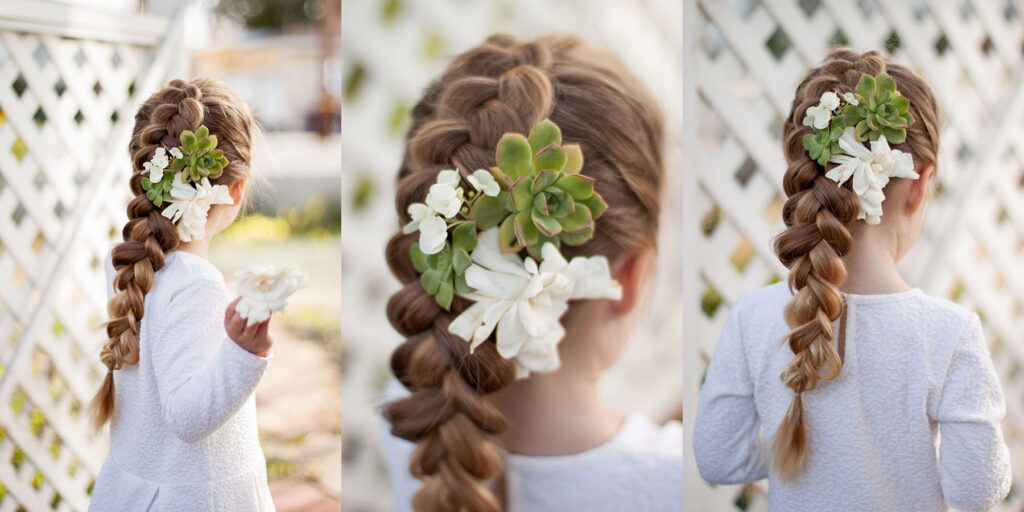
point(913, 366)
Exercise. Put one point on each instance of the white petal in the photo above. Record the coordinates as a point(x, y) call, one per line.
point(433, 234)
point(448, 178)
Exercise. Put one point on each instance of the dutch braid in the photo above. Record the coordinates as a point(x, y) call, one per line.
point(817, 214)
point(504, 85)
point(148, 235)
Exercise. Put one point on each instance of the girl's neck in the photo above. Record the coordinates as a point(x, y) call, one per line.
point(555, 414)
point(200, 248)
point(871, 264)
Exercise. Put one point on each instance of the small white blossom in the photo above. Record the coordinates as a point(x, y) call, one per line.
point(829, 100)
point(444, 199)
point(418, 212)
point(483, 181)
point(156, 165)
point(433, 234)
point(264, 290)
point(449, 177)
point(817, 117)
point(850, 98)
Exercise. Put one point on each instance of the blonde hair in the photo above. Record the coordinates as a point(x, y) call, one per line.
point(148, 235)
point(817, 214)
point(505, 85)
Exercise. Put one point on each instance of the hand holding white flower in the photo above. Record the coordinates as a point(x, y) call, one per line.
point(264, 290)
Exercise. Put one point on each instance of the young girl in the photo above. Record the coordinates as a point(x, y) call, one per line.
point(182, 363)
point(846, 412)
point(501, 397)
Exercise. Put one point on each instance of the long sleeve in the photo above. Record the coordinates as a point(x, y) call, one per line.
point(974, 461)
point(203, 377)
point(726, 438)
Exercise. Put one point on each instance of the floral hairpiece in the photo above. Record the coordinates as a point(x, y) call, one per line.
point(875, 112)
point(181, 177)
point(534, 199)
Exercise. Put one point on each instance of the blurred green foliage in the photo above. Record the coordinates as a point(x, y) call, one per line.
point(273, 14)
point(318, 218)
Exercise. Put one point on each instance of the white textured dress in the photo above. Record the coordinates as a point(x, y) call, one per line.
point(916, 370)
point(640, 468)
point(183, 435)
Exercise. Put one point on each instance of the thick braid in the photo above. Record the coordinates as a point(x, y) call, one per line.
point(147, 236)
point(817, 214)
point(502, 87)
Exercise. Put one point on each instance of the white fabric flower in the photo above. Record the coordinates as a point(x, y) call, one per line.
point(483, 181)
point(817, 117)
point(189, 205)
point(850, 98)
point(156, 165)
point(433, 234)
point(264, 290)
point(524, 301)
point(829, 100)
point(870, 170)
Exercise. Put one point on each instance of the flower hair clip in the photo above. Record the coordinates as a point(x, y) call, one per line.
point(181, 177)
point(469, 245)
point(875, 113)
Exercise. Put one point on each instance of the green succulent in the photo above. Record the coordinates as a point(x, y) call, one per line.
point(881, 110)
point(201, 157)
point(543, 197)
point(442, 274)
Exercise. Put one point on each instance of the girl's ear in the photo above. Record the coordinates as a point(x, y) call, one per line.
point(237, 191)
point(632, 276)
point(919, 189)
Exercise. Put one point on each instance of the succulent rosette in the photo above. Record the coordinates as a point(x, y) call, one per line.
point(195, 159)
point(544, 198)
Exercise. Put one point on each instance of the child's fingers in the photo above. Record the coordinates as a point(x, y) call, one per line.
point(230, 310)
point(250, 330)
point(236, 323)
point(262, 329)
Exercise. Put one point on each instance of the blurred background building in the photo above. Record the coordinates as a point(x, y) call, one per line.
point(392, 48)
point(72, 73)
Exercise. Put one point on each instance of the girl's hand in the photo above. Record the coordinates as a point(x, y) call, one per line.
point(255, 338)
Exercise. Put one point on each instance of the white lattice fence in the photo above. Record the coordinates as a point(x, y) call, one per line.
point(391, 50)
point(744, 59)
point(70, 81)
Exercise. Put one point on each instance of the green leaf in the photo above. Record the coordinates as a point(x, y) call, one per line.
point(575, 239)
point(901, 104)
point(543, 135)
point(540, 204)
point(895, 136)
point(419, 260)
point(167, 186)
point(526, 231)
point(885, 83)
point(445, 294)
point(488, 211)
point(188, 140)
point(596, 204)
point(507, 239)
point(213, 144)
point(573, 158)
point(815, 152)
point(566, 205)
point(146, 184)
point(431, 280)
point(461, 286)
point(547, 225)
point(866, 85)
point(861, 130)
point(577, 185)
point(809, 141)
point(580, 220)
point(460, 260)
point(544, 179)
point(202, 132)
point(514, 156)
point(838, 125)
point(522, 197)
point(464, 236)
point(550, 158)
